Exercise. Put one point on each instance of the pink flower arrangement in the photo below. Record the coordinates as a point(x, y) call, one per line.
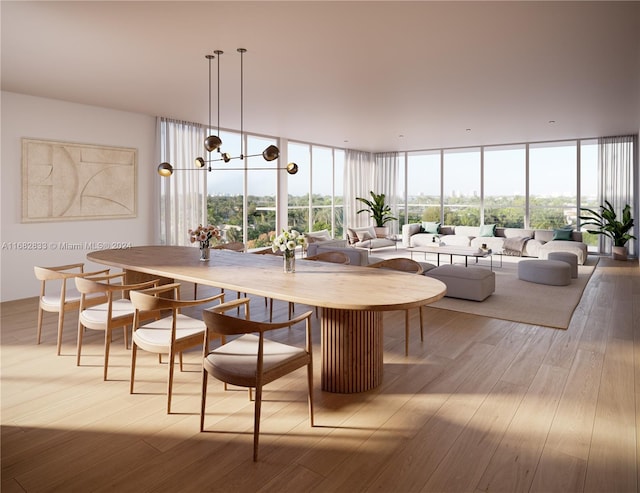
point(204, 234)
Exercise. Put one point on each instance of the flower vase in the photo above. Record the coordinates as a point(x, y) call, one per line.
point(289, 261)
point(205, 253)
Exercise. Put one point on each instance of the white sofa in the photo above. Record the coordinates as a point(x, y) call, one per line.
point(534, 242)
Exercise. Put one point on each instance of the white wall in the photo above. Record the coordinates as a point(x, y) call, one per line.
point(47, 119)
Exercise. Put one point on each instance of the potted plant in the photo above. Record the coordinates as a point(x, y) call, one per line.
point(608, 224)
point(378, 211)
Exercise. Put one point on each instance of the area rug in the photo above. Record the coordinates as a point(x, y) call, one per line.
point(527, 302)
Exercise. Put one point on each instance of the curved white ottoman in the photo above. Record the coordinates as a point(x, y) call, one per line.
point(570, 258)
point(468, 283)
point(551, 272)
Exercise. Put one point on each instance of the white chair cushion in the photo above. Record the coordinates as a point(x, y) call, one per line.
point(98, 314)
point(156, 336)
point(239, 357)
point(72, 294)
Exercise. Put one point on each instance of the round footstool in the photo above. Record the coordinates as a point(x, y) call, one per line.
point(551, 272)
point(570, 258)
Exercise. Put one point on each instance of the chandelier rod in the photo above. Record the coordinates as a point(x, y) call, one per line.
point(242, 51)
point(218, 52)
point(209, 57)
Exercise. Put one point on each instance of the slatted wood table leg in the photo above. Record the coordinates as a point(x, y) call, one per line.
point(352, 350)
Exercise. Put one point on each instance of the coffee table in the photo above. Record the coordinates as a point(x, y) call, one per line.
point(458, 251)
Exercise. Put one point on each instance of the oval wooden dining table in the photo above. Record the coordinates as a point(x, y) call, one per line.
point(352, 298)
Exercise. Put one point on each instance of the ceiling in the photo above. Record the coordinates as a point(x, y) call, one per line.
point(375, 76)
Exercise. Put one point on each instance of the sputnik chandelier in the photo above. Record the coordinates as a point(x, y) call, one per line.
point(213, 142)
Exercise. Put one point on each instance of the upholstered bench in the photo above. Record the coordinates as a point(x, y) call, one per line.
point(468, 283)
point(551, 272)
point(570, 258)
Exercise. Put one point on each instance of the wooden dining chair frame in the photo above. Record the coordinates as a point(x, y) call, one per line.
point(62, 273)
point(104, 285)
point(403, 264)
point(218, 322)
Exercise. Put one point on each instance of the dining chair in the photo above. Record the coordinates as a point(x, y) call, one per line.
point(269, 251)
point(64, 297)
point(234, 246)
point(331, 256)
point(170, 335)
point(116, 312)
point(403, 265)
point(252, 360)
point(334, 257)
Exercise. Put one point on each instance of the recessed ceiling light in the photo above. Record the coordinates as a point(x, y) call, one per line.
point(400, 136)
point(552, 122)
point(468, 130)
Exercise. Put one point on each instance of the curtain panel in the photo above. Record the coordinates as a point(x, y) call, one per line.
point(183, 195)
point(617, 164)
point(385, 181)
point(365, 172)
point(358, 181)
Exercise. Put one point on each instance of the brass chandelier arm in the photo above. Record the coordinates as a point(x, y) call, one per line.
point(165, 169)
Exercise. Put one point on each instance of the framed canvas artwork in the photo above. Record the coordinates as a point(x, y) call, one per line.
point(63, 181)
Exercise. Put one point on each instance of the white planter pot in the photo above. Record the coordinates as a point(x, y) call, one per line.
point(619, 253)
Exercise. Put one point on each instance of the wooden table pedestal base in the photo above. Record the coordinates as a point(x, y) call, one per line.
point(352, 350)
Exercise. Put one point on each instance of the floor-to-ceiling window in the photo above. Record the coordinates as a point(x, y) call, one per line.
point(298, 209)
point(261, 193)
point(504, 181)
point(316, 192)
point(589, 185)
point(338, 192)
point(461, 190)
point(422, 186)
point(553, 185)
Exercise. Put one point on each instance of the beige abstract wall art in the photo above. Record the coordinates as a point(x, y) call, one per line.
point(65, 182)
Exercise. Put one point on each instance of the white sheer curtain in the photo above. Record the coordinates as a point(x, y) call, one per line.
point(365, 172)
point(617, 160)
point(183, 195)
point(385, 181)
point(358, 181)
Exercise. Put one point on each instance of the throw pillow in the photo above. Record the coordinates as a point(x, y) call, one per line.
point(354, 234)
point(562, 234)
point(315, 236)
point(431, 227)
point(488, 230)
point(365, 235)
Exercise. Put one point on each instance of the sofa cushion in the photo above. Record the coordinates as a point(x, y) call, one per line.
point(519, 232)
point(456, 240)
point(577, 247)
point(469, 231)
point(356, 256)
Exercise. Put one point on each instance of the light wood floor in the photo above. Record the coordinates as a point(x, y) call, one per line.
point(481, 405)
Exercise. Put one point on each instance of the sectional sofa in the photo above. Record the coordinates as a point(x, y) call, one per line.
point(515, 241)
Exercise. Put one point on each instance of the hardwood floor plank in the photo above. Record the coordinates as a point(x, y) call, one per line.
point(612, 461)
point(514, 463)
point(563, 463)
